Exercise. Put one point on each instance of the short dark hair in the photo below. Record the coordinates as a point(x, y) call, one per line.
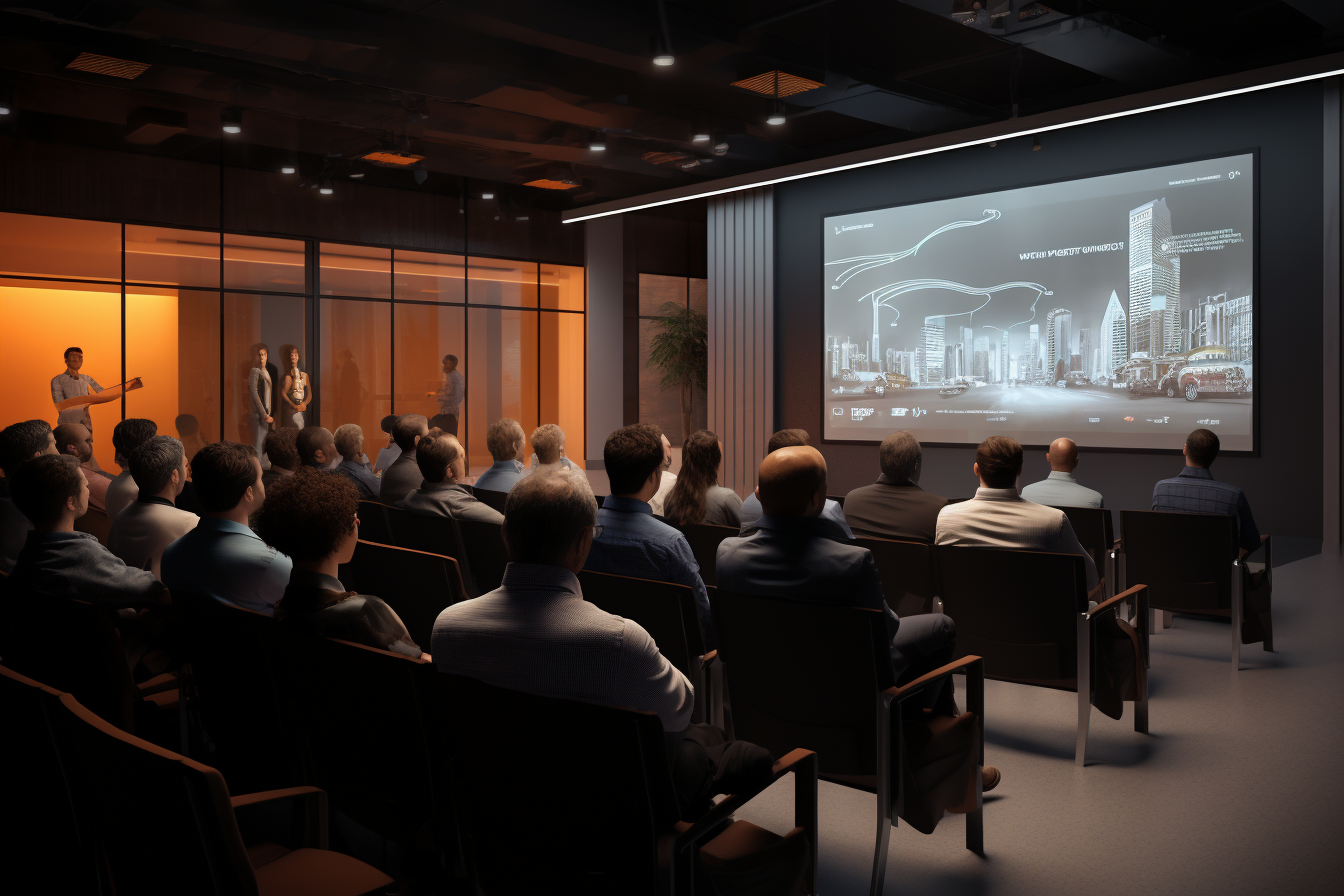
point(41, 486)
point(1201, 446)
point(308, 440)
point(222, 474)
point(787, 438)
point(899, 455)
point(452, 358)
point(130, 434)
point(407, 428)
point(388, 421)
point(1000, 460)
point(545, 514)
point(501, 436)
point(73, 348)
point(186, 422)
point(631, 455)
point(21, 441)
point(307, 514)
point(153, 463)
point(435, 453)
point(282, 448)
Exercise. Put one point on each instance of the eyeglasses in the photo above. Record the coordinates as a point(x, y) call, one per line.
point(597, 531)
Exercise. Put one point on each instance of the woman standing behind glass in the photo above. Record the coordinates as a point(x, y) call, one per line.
point(259, 390)
point(295, 395)
point(697, 496)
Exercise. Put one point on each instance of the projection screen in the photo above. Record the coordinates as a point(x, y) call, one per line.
point(1117, 310)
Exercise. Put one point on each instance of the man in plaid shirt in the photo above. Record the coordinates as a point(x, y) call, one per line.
point(1196, 491)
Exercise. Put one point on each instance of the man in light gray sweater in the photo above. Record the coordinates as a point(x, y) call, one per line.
point(442, 463)
point(151, 522)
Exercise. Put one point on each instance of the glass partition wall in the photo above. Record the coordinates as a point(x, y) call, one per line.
point(188, 312)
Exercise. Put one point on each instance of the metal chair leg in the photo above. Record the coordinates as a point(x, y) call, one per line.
point(1237, 600)
point(1084, 688)
point(885, 763)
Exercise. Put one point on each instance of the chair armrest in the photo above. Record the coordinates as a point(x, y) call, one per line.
point(789, 761)
point(316, 804)
point(158, 684)
point(802, 761)
point(1107, 604)
point(901, 692)
point(708, 658)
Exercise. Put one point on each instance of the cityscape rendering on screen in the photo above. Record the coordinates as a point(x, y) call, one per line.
point(1116, 310)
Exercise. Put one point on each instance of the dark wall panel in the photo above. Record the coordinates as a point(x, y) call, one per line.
point(1284, 124)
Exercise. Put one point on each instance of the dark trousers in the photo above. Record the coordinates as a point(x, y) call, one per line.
point(924, 643)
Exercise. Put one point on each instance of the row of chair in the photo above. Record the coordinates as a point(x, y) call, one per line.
point(477, 546)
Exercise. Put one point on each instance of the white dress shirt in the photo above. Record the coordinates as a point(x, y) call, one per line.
point(1001, 518)
point(664, 489)
point(147, 526)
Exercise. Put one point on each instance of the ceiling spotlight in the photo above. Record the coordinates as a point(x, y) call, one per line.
point(662, 42)
point(521, 218)
point(287, 169)
point(664, 59)
point(326, 189)
point(6, 100)
point(357, 175)
point(598, 145)
point(487, 195)
point(701, 137)
point(1035, 144)
point(775, 118)
point(231, 120)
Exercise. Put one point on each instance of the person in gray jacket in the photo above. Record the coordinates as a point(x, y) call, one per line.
point(403, 476)
point(151, 523)
point(444, 492)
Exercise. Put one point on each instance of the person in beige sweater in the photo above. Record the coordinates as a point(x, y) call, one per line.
point(149, 524)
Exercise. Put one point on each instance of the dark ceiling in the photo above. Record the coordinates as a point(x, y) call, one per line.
point(512, 92)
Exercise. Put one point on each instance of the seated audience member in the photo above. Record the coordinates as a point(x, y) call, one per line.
point(189, 434)
point(282, 448)
point(349, 444)
point(548, 451)
point(1060, 488)
point(151, 522)
point(697, 496)
point(1196, 491)
point(403, 476)
point(127, 436)
point(998, 517)
point(76, 440)
point(53, 492)
point(666, 483)
point(389, 454)
point(317, 448)
point(18, 442)
point(505, 439)
point(751, 505)
point(312, 517)
point(894, 506)
point(632, 542)
point(442, 463)
point(222, 557)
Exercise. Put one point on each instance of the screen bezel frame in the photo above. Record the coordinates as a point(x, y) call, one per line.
point(1253, 152)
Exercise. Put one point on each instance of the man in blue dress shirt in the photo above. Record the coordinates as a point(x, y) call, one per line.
point(1196, 491)
point(632, 542)
point(751, 507)
point(505, 439)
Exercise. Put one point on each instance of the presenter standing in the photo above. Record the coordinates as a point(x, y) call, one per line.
point(295, 393)
point(450, 395)
point(73, 384)
point(259, 386)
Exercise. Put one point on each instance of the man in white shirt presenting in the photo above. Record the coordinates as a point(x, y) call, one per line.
point(450, 396)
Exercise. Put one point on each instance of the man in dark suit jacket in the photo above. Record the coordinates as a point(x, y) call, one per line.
point(404, 476)
point(894, 506)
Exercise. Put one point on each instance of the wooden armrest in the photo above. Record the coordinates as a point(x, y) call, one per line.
point(787, 763)
point(905, 690)
point(688, 833)
point(158, 684)
point(708, 658)
point(1107, 604)
point(317, 806)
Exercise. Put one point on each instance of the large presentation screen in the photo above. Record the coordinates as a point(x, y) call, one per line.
point(1115, 310)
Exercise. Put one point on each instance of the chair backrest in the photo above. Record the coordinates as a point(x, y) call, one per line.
point(433, 535)
point(1094, 529)
point(704, 541)
point(491, 498)
point(1185, 559)
point(416, 584)
point(164, 822)
point(906, 571)
point(362, 714)
point(373, 523)
point(666, 611)
point(97, 523)
point(69, 645)
point(1017, 609)
point(484, 544)
point(804, 673)
point(603, 797)
point(38, 823)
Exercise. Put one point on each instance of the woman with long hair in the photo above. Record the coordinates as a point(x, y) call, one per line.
point(697, 497)
point(295, 395)
point(259, 395)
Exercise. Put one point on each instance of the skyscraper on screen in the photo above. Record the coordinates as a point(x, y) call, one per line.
point(1154, 282)
point(1114, 336)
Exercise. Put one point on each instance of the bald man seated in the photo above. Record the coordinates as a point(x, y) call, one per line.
point(1061, 488)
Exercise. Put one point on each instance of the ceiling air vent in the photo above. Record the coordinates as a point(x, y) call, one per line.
point(788, 84)
point(108, 65)
point(392, 158)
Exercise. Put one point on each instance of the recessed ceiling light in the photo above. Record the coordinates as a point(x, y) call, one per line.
point(664, 59)
point(487, 195)
point(326, 189)
point(701, 138)
point(6, 100)
point(521, 218)
point(775, 118)
point(598, 145)
point(286, 169)
point(357, 174)
point(231, 120)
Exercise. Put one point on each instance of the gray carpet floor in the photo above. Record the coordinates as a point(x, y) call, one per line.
point(1238, 787)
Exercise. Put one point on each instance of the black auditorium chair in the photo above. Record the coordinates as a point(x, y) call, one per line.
point(373, 523)
point(491, 498)
point(1190, 563)
point(1026, 613)
point(416, 584)
point(1096, 534)
point(906, 571)
point(607, 821)
point(433, 535)
point(669, 613)
point(164, 824)
point(704, 540)
point(821, 675)
point(96, 523)
point(484, 543)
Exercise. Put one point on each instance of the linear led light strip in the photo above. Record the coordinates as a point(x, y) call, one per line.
point(979, 141)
